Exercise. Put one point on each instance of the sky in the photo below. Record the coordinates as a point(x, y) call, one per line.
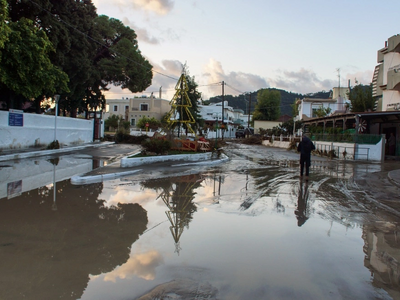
point(299, 46)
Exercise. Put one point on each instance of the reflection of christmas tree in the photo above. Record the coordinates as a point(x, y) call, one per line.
point(180, 103)
point(178, 195)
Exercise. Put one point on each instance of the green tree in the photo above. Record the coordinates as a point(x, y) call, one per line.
point(323, 111)
point(268, 105)
point(361, 98)
point(153, 123)
point(4, 28)
point(25, 68)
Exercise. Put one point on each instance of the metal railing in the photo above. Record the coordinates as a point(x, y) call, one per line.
point(369, 139)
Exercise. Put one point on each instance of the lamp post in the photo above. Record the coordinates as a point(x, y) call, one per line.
point(56, 99)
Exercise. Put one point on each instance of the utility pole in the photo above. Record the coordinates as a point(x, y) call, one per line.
point(223, 100)
point(248, 117)
point(160, 91)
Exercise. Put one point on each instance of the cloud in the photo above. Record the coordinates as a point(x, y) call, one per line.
point(363, 77)
point(142, 34)
point(237, 82)
point(303, 81)
point(142, 265)
point(160, 7)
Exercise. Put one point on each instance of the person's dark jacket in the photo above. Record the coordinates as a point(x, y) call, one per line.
point(305, 146)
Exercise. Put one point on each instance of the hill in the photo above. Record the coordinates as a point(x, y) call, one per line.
point(287, 99)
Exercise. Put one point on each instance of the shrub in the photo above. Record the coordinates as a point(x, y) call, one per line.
point(54, 145)
point(158, 146)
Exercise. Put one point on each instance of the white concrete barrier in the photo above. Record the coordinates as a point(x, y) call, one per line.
point(127, 162)
point(38, 130)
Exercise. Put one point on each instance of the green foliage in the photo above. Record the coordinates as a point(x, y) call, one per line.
point(25, 68)
point(53, 145)
point(286, 128)
point(268, 105)
point(323, 111)
point(361, 99)
point(116, 121)
point(4, 28)
point(154, 124)
point(94, 52)
point(158, 146)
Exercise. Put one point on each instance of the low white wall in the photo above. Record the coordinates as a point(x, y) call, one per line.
point(362, 152)
point(127, 162)
point(39, 130)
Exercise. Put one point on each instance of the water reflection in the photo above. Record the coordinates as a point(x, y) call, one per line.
point(177, 193)
point(382, 255)
point(302, 211)
point(54, 236)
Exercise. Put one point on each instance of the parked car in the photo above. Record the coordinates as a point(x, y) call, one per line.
point(241, 133)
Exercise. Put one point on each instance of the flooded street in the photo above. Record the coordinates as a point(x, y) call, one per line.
point(245, 229)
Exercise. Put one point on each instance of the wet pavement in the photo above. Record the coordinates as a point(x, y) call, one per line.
point(246, 229)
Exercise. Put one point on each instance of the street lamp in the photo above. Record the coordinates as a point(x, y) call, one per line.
point(56, 99)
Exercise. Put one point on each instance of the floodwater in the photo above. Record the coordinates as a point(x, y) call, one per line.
point(247, 229)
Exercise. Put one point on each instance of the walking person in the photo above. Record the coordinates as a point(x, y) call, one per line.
point(305, 147)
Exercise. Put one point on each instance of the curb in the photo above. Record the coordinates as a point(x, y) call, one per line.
point(79, 180)
point(48, 152)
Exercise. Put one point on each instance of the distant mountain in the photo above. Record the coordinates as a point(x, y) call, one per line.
point(287, 99)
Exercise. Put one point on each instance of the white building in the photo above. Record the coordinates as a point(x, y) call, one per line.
point(386, 80)
point(338, 103)
point(212, 115)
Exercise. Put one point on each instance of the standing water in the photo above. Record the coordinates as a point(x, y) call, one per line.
point(249, 229)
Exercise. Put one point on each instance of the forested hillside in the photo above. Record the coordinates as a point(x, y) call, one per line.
point(287, 99)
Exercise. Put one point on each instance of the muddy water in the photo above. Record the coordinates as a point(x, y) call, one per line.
point(249, 229)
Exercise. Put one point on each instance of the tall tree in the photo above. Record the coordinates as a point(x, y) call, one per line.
point(268, 105)
point(4, 28)
point(25, 68)
point(361, 98)
point(118, 60)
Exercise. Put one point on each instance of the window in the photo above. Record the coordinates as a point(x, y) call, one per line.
point(126, 107)
point(144, 107)
point(133, 122)
point(115, 107)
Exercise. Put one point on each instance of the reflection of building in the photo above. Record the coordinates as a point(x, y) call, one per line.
point(382, 256)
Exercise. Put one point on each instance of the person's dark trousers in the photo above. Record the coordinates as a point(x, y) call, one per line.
point(305, 160)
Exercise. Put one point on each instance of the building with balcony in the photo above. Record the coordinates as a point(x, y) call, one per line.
point(386, 78)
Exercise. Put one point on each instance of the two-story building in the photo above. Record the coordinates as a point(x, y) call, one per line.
point(338, 102)
point(132, 109)
point(386, 79)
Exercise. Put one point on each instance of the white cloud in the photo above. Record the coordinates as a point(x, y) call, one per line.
point(303, 81)
point(237, 82)
point(142, 265)
point(160, 7)
point(142, 34)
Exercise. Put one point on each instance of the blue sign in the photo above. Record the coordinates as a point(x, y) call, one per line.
point(15, 118)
